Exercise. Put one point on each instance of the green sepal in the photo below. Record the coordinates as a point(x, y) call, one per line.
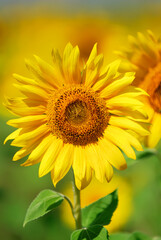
point(45, 201)
point(101, 211)
point(91, 233)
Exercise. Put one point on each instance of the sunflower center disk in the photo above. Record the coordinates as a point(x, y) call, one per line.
point(153, 81)
point(77, 115)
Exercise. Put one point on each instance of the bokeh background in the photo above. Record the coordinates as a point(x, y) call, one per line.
point(35, 27)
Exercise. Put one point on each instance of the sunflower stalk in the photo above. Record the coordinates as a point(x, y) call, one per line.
point(77, 206)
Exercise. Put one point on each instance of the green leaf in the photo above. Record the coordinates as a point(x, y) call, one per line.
point(101, 211)
point(42, 204)
point(138, 236)
point(91, 233)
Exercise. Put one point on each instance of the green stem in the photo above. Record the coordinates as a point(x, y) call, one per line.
point(70, 203)
point(77, 206)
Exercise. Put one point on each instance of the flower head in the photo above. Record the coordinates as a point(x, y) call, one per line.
point(144, 57)
point(76, 116)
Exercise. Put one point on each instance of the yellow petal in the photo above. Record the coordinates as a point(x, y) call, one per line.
point(137, 115)
point(31, 163)
point(23, 111)
point(132, 91)
point(152, 36)
point(45, 72)
point(87, 177)
point(29, 81)
point(126, 123)
point(127, 67)
point(21, 153)
point(114, 155)
point(98, 160)
point(40, 149)
point(30, 135)
point(91, 76)
point(95, 162)
point(24, 80)
point(150, 111)
point(65, 62)
point(49, 73)
point(19, 107)
point(14, 103)
point(27, 121)
point(26, 150)
point(142, 60)
point(118, 138)
point(47, 162)
point(92, 73)
point(148, 47)
point(67, 51)
point(133, 42)
point(62, 163)
point(82, 182)
point(57, 58)
point(92, 56)
point(71, 68)
point(117, 85)
point(155, 131)
point(79, 162)
point(33, 92)
point(108, 169)
point(112, 71)
point(108, 172)
point(74, 64)
point(13, 135)
point(133, 141)
point(121, 102)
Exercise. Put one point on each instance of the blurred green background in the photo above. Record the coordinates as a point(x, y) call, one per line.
point(34, 27)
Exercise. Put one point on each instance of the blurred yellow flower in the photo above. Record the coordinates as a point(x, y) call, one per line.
point(96, 190)
point(144, 57)
point(76, 115)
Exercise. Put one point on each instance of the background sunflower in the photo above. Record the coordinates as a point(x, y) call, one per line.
point(144, 55)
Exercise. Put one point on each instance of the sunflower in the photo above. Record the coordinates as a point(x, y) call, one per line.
point(144, 57)
point(76, 115)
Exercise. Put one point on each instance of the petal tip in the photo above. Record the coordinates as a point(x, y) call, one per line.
point(123, 167)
